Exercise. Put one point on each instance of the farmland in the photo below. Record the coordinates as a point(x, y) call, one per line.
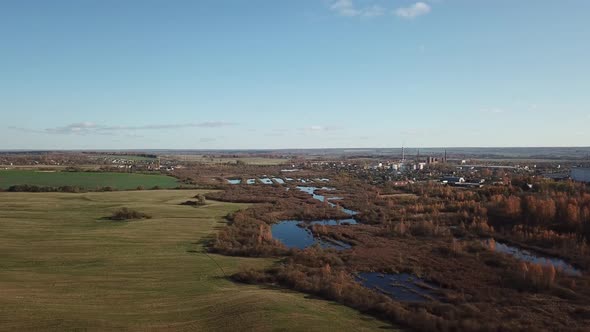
point(68, 269)
point(86, 180)
point(127, 157)
point(212, 160)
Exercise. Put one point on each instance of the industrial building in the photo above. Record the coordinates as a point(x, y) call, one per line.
point(581, 174)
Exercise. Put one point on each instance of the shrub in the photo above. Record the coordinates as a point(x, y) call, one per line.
point(192, 203)
point(428, 228)
point(200, 199)
point(128, 214)
point(539, 276)
point(37, 189)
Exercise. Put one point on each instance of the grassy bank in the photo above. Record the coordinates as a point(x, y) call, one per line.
point(63, 268)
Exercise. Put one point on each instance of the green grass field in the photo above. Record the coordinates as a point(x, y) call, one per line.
point(62, 268)
point(88, 180)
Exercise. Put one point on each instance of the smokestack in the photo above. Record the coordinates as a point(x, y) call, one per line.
point(403, 154)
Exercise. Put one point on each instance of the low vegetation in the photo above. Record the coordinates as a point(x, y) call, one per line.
point(128, 214)
point(431, 231)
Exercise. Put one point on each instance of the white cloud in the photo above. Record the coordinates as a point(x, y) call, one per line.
point(413, 11)
point(347, 8)
point(344, 8)
point(74, 128)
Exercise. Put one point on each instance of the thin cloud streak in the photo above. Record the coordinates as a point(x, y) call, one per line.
point(212, 124)
point(317, 128)
point(86, 128)
point(348, 8)
point(413, 11)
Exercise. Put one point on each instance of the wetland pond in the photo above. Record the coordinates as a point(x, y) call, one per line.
point(401, 287)
point(266, 180)
point(527, 256)
point(297, 233)
point(322, 198)
point(279, 180)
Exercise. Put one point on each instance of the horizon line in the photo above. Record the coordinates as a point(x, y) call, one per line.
point(291, 149)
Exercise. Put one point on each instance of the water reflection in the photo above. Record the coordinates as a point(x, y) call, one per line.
point(266, 180)
point(527, 256)
point(297, 234)
point(400, 287)
point(322, 198)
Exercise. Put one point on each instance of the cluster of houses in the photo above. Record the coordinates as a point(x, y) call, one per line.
point(144, 165)
point(578, 174)
point(405, 165)
point(456, 181)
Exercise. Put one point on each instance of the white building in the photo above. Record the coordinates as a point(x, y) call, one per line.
point(581, 174)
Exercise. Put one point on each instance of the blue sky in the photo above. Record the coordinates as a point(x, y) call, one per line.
point(208, 74)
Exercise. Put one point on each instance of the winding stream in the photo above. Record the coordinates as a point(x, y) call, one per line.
point(297, 233)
